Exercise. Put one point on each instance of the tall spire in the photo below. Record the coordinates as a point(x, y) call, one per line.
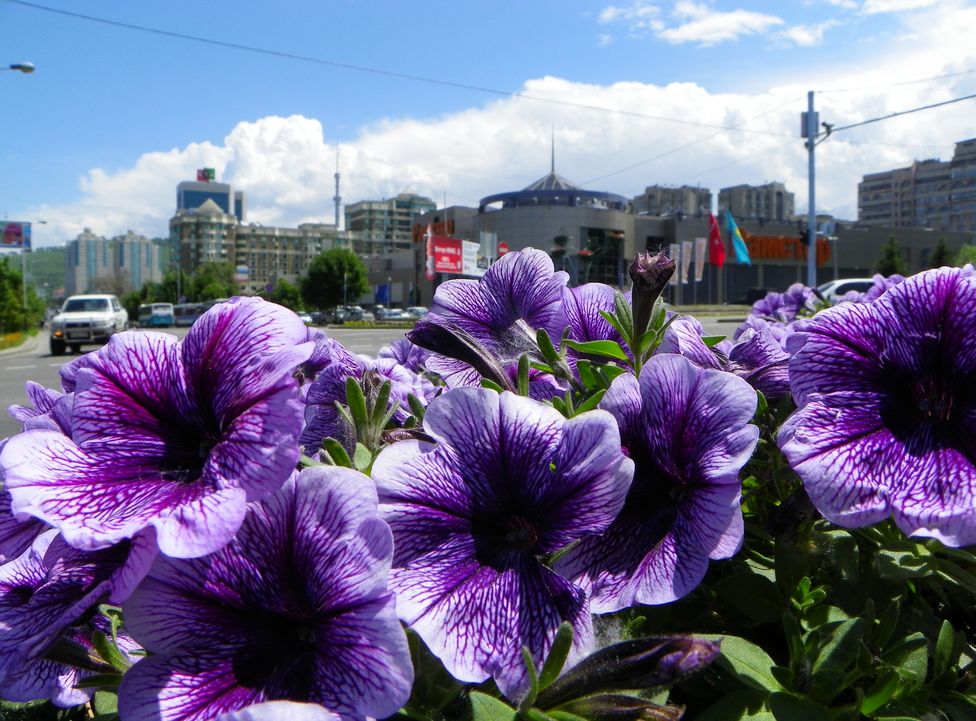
point(552, 144)
point(337, 199)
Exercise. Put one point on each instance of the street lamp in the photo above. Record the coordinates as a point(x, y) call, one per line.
point(26, 68)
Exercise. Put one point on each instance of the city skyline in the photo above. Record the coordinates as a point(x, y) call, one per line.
point(633, 95)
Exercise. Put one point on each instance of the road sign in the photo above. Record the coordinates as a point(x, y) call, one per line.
point(502, 248)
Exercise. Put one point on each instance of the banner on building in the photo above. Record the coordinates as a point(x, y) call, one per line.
point(701, 244)
point(674, 252)
point(241, 274)
point(447, 254)
point(470, 264)
point(686, 250)
point(16, 235)
point(205, 175)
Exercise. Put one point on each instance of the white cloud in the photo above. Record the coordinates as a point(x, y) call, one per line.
point(604, 39)
point(640, 17)
point(805, 35)
point(873, 7)
point(285, 166)
point(698, 23)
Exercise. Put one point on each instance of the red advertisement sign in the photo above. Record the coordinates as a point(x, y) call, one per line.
point(448, 256)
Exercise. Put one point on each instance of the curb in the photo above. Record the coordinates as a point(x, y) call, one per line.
point(29, 346)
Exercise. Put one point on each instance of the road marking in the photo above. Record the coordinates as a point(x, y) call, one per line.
point(56, 365)
point(18, 368)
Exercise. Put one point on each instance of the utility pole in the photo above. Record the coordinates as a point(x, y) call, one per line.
point(809, 122)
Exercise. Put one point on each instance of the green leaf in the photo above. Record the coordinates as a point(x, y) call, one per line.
point(357, 404)
point(109, 652)
point(362, 457)
point(564, 716)
point(747, 661)
point(712, 340)
point(548, 350)
point(734, 705)
point(557, 655)
point(380, 405)
point(910, 656)
point(416, 407)
point(530, 697)
point(105, 702)
point(886, 624)
point(880, 693)
point(753, 596)
point(835, 657)
point(336, 452)
point(786, 707)
point(491, 385)
point(625, 313)
point(604, 348)
point(489, 708)
point(943, 649)
point(100, 680)
point(592, 402)
point(617, 326)
point(523, 375)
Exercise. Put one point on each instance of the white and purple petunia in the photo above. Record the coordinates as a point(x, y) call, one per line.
point(509, 481)
point(887, 408)
point(687, 430)
point(295, 608)
point(50, 592)
point(177, 435)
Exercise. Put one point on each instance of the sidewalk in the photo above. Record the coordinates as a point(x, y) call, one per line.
point(31, 345)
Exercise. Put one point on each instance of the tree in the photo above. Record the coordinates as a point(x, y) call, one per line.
point(891, 260)
point(941, 255)
point(334, 277)
point(966, 254)
point(210, 281)
point(286, 294)
point(13, 316)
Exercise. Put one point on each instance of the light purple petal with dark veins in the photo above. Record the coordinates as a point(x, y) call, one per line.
point(189, 687)
point(281, 711)
point(45, 679)
point(684, 337)
point(16, 533)
point(475, 618)
point(759, 358)
point(583, 305)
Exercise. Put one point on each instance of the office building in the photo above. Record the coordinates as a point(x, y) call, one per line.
point(684, 200)
point(926, 194)
point(384, 226)
point(190, 195)
point(770, 202)
point(117, 265)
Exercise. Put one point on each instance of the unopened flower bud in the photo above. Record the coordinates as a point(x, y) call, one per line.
point(650, 273)
point(640, 663)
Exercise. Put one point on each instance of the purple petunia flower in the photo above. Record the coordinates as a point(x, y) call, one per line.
point(687, 430)
point(49, 592)
point(887, 409)
point(178, 435)
point(409, 355)
point(294, 608)
point(582, 306)
point(509, 481)
point(502, 311)
point(322, 417)
point(786, 307)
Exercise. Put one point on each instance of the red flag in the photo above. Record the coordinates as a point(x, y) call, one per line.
point(716, 247)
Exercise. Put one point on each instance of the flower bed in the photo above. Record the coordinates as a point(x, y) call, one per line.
point(545, 504)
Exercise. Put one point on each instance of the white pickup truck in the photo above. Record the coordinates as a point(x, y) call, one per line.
point(87, 319)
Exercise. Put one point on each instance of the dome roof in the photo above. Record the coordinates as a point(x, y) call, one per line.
point(552, 182)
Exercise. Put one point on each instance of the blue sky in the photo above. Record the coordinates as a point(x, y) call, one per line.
point(635, 93)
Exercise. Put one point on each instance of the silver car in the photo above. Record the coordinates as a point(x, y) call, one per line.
point(86, 320)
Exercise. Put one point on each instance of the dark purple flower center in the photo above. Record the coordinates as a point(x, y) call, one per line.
point(501, 537)
point(281, 659)
point(19, 595)
point(186, 454)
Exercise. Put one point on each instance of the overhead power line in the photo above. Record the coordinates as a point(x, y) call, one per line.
point(379, 71)
point(836, 129)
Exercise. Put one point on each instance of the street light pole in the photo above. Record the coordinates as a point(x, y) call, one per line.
point(809, 131)
point(26, 68)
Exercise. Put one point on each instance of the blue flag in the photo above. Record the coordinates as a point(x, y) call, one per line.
point(738, 244)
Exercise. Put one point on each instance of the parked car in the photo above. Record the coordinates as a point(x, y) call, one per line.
point(86, 320)
point(417, 311)
point(836, 289)
point(186, 314)
point(305, 318)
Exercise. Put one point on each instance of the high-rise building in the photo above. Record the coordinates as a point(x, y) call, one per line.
point(264, 255)
point(770, 202)
point(684, 200)
point(204, 234)
point(190, 195)
point(926, 194)
point(378, 226)
point(117, 265)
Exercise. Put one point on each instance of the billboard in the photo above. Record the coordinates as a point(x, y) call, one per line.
point(447, 254)
point(16, 235)
point(241, 274)
point(205, 175)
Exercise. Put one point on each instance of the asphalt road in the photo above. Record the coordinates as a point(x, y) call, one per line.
point(33, 361)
